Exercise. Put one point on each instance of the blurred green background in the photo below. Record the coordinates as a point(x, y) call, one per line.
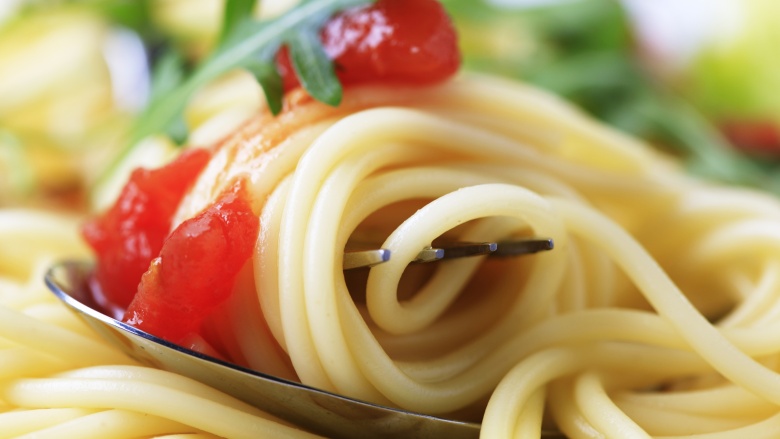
point(695, 78)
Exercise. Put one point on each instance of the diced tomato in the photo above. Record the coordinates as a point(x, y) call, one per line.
point(403, 41)
point(196, 269)
point(130, 234)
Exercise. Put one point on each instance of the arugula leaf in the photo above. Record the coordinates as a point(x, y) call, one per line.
point(235, 12)
point(245, 44)
point(314, 68)
point(166, 75)
point(241, 52)
point(166, 80)
point(266, 75)
point(132, 14)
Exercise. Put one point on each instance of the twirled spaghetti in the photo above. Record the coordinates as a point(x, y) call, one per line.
point(655, 314)
point(468, 148)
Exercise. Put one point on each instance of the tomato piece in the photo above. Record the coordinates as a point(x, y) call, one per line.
point(196, 269)
point(406, 41)
point(130, 234)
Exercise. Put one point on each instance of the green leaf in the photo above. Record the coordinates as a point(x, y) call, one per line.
point(166, 78)
point(709, 154)
point(18, 176)
point(236, 11)
point(257, 40)
point(269, 33)
point(265, 35)
point(167, 74)
point(269, 79)
point(133, 14)
point(177, 130)
point(314, 68)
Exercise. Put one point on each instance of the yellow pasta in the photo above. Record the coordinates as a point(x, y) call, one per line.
point(655, 315)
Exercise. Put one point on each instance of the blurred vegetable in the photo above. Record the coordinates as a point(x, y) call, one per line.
point(65, 124)
point(250, 45)
point(60, 102)
point(586, 51)
point(17, 177)
point(734, 77)
point(63, 116)
point(192, 26)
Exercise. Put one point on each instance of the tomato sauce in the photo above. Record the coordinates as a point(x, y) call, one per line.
point(196, 269)
point(169, 282)
point(401, 41)
point(130, 234)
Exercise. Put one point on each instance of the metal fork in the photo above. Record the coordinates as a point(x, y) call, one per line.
point(370, 258)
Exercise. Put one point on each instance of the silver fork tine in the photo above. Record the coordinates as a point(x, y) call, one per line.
point(369, 258)
point(523, 247)
point(455, 250)
point(365, 258)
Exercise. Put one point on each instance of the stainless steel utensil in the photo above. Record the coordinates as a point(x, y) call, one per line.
point(369, 258)
point(316, 410)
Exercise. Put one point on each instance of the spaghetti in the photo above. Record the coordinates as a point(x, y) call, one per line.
point(654, 316)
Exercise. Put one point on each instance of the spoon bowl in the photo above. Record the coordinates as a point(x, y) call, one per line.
point(316, 410)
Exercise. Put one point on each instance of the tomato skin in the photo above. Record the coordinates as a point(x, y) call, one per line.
point(405, 41)
point(196, 269)
point(130, 234)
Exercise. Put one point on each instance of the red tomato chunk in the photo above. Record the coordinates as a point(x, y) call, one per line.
point(403, 41)
point(196, 269)
point(130, 234)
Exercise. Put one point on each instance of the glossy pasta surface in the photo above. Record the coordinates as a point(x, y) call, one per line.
point(655, 314)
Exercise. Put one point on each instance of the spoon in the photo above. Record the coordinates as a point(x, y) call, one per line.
point(319, 411)
point(316, 410)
